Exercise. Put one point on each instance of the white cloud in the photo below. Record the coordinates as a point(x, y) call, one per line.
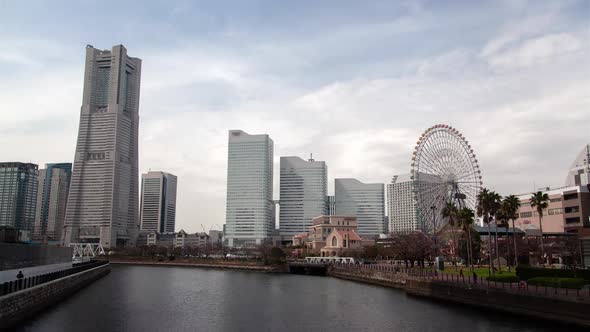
point(537, 50)
point(521, 98)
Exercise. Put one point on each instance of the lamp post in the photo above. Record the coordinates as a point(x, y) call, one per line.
point(433, 208)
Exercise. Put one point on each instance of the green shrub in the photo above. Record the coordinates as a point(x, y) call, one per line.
point(503, 278)
point(584, 274)
point(575, 283)
point(528, 272)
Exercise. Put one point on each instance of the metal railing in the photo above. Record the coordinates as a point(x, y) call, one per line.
point(24, 283)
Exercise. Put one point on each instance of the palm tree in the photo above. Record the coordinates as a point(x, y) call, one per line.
point(466, 218)
point(502, 221)
point(495, 204)
point(488, 203)
point(540, 200)
point(450, 212)
point(511, 204)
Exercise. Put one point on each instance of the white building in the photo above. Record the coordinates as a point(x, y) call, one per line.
point(249, 209)
point(401, 205)
point(303, 188)
point(366, 201)
point(158, 202)
point(103, 204)
point(579, 172)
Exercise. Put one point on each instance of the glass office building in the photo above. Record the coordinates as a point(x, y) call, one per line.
point(249, 205)
point(18, 194)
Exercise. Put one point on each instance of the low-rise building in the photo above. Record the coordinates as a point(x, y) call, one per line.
point(180, 239)
point(568, 211)
point(332, 236)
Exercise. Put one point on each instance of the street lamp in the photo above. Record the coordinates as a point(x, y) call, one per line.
point(433, 208)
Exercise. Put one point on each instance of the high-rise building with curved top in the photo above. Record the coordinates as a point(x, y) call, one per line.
point(365, 201)
point(303, 189)
point(103, 199)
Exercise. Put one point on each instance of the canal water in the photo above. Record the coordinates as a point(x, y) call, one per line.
point(142, 298)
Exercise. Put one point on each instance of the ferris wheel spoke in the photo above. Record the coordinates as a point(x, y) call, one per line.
point(443, 164)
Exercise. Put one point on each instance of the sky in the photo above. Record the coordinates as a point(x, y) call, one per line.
point(353, 82)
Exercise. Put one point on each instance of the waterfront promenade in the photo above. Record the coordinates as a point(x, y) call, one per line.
point(468, 281)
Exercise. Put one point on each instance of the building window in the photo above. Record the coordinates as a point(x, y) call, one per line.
point(334, 241)
point(526, 214)
point(572, 220)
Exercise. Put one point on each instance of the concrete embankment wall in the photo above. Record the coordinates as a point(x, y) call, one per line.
point(386, 279)
point(18, 306)
point(568, 311)
point(572, 310)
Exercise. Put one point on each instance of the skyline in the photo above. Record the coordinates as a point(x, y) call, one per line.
point(310, 90)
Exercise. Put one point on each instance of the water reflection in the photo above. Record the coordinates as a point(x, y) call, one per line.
point(137, 298)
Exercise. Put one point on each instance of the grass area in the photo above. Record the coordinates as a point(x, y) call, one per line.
point(480, 271)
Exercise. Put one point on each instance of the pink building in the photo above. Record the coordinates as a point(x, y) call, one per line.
point(568, 211)
point(332, 236)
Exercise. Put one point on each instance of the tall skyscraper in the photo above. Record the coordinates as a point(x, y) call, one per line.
point(52, 198)
point(158, 202)
point(103, 201)
point(366, 201)
point(249, 211)
point(303, 188)
point(18, 194)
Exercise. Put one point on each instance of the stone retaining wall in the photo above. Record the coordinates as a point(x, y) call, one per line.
point(566, 311)
point(576, 311)
point(16, 307)
point(374, 277)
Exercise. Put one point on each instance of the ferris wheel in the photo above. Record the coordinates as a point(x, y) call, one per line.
point(444, 169)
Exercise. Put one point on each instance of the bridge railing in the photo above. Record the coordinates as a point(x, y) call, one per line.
point(24, 283)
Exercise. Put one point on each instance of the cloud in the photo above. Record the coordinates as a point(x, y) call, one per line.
point(515, 31)
point(537, 50)
point(356, 92)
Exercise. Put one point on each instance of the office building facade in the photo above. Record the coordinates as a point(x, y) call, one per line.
point(249, 205)
point(303, 188)
point(331, 205)
point(366, 201)
point(18, 194)
point(103, 204)
point(158, 202)
point(52, 198)
point(401, 205)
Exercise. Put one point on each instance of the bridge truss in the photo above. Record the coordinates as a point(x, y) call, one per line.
point(86, 251)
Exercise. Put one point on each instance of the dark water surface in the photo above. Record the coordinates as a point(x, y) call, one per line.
point(142, 298)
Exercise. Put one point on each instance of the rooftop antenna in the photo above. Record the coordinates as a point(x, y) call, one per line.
point(311, 157)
